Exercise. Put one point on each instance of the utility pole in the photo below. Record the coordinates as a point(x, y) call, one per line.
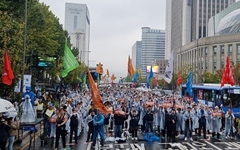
point(24, 43)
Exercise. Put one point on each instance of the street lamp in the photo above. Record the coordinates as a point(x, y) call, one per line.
point(24, 43)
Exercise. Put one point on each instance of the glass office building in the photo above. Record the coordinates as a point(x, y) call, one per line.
point(226, 21)
point(153, 47)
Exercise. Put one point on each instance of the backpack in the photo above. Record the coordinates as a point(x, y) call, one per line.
point(74, 121)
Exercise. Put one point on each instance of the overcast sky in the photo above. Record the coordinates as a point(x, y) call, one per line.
point(115, 25)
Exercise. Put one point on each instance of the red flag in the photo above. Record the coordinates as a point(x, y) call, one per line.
point(179, 78)
point(227, 76)
point(7, 75)
point(154, 81)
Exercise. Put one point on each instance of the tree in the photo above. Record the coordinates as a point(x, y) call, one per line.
point(208, 77)
point(45, 36)
point(11, 39)
point(236, 73)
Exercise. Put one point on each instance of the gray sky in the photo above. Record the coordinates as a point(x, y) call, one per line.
point(115, 25)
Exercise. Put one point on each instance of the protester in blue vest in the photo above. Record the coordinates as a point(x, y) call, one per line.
point(30, 94)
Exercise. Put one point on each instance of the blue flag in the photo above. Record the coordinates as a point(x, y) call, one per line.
point(135, 77)
point(189, 84)
point(150, 76)
point(96, 74)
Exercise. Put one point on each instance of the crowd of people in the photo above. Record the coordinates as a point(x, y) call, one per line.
point(133, 112)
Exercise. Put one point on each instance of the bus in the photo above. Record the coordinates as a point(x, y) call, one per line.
point(215, 95)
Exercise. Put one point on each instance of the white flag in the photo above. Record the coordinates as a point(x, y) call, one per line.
point(169, 70)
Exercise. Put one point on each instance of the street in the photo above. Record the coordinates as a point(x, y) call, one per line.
point(197, 144)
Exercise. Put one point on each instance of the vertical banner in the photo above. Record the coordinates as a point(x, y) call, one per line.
point(26, 81)
point(17, 88)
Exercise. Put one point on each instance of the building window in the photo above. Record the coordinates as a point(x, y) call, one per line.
point(222, 49)
point(230, 49)
point(238, 49)
point(222, 64)
point(206, 65)
point(75, 22)
point(214, 65)
point(206, 51)
point(214, 50)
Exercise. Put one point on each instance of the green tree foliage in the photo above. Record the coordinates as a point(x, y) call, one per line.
point(72, 76)
point(236, 73)
point(45, 37)
point(208, 77)
point(11, 39)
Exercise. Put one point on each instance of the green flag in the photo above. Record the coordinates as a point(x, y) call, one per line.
point(79, 79)
point(84, 79)
point(69, 61)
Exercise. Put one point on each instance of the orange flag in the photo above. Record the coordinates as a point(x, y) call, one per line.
point(113, 77)
point(108, 75)
point(99, 69)
point(96, 97)
point(7, 75)
point(130, 67)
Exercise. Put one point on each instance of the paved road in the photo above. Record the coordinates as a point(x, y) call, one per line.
point(197, 144)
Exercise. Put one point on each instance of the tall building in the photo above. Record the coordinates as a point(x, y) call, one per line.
point(173, 26)
point(137, 54)
point(225, 22)
point(77, 23)
point(187, 20)
point(202, 11)
point(208, 54)
point(153, 47)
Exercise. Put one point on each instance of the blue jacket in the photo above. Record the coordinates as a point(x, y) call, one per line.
point(30, 94)
point(98, 118)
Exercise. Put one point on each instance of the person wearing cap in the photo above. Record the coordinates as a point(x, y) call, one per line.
point(188, 119)
point(47, 114)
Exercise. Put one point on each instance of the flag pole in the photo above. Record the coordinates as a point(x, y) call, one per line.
point(172, 81)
